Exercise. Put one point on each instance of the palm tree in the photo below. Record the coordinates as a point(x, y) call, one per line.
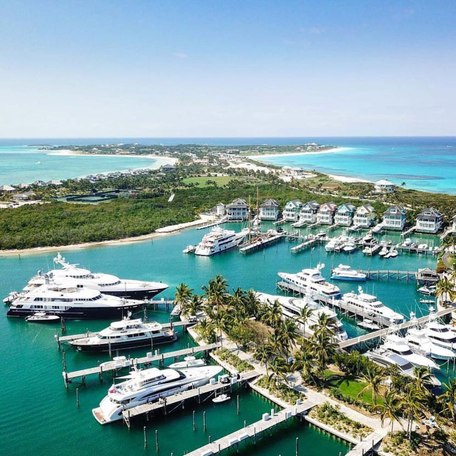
point(195, 305)
point(273, 314)
point(288, 335)
point(411, 405)
point(216, 295)
point(373, 379)
point(236, 304)
point(182, 296)
point(263, 354)
point(251, 303)
point(304, 316)
point(448, 398)
point(445, 289)
point(389, 408)
point(322, 349)
point(423, 379)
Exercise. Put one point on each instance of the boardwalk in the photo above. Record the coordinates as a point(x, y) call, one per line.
point(386, 274)
point(253, 430)
point(123, 362)
point(383, 332)
point(262, 243)
point(367, 445)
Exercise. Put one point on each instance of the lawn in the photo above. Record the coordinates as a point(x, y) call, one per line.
point(352, 389)
point(205, 181)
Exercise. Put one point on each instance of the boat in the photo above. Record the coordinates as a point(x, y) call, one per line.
point(42, 317)
point(349, 246)
point(188, 362)
point(384, 251)
point(149, 385)
point(125, 334)
point(417, 340)
point(372, 249)
point(440, 334)
point(427, 301)
point(345, 272)
point(108, 284)
point(428, 291)
point(331, 245)
point(310, 282)
point(177, 309)
point(189, 249)
point(71, 302)
point(368, 324)
point(371, 305)
point(221, 398)
point(291, 307)
point(219, 240)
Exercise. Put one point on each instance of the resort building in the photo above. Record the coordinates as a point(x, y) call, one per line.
point(384, 186)
point(325, 214)
point(220, 210)
point(364, 216)
point(429, 220)
point(344, 215)
point(291, 211)
point(237, 210)
point(309, 212)
point(394, 218)
point(269, 210)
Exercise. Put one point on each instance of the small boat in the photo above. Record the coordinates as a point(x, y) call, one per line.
point(176, 310)
point(189, 249)
point(393, 253)
point(428, 291)
point(384, 251)
point(427, 301)
point(368, 324)
point(349, 247)
point(42, 317)
point(221, 398)
point(188, 362)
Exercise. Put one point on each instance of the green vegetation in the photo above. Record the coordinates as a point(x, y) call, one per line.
point(239, 364)
point(280, 390)
point(206, 181)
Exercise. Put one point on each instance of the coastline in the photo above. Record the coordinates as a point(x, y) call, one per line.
point(333, 150)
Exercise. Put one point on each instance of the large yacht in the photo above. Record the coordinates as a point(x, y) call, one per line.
point(311, 283)
point(440, 334)
point(71, 302)
point(371, 305)
point(417, 340)
point(105, 283)
point(150, 385)
point(219, 240)
point(345, 272)
point(291, 307)
point(124, 334)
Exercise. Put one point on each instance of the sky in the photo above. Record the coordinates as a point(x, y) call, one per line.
point(227, 68)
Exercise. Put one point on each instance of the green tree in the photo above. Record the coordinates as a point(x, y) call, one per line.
point(373, 379)
point(389, 408)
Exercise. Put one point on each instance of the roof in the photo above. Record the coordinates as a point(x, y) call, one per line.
point(270, 202)
point(384, 182)
point(429, 212)
point(394, 210)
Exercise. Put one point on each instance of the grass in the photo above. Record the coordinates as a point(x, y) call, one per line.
point(205, 181)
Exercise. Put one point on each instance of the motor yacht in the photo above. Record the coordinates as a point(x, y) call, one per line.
point(72, 274)
point(291, 307)
point(150, 385)
point(188, 362)
point(345, 272)
point(371, 305)
point(125, 334)
point(366, 323)
point(349, 246)
point(372, 249)
point(310, 282)
point(42, 317)
point(428, 291)
point(219, 240)
point(71, 302)
point(384, 251)
point(440, 334)
point(417, 340)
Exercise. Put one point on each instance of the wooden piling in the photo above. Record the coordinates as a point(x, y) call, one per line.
point(145, 437)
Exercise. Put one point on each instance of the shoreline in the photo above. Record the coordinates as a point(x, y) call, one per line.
point(333, 150)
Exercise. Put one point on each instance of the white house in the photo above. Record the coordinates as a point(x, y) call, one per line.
point(269, 210)
point(309, 212)
point(384, 186)
point(291, 211)
point(364, 216)
point(325, 214)
point(429, 220)
point(394, 218)
point(220, 210)
point(344, 215)
point(237, 210)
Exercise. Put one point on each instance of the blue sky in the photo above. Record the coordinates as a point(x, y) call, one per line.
point(227, 68)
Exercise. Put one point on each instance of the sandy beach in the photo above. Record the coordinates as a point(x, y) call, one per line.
point(290, 154)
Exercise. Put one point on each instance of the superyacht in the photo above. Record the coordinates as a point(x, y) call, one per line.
point(219, 240)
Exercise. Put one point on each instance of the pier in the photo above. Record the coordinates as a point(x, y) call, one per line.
point(304, 245)
point(386, 274)
point(177, 401)
point(253, 430)
point(383, 332)
point(264, 241)
point(123, 362)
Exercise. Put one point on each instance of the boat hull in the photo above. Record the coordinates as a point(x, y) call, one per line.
point(348, 279)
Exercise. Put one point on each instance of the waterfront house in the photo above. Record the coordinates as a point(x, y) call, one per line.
point(325, 214)
point(309, 212)
point(220, 210)
point(384, 186)
point(237, 210)
point(344, 215)
point(394, 218)
point(429, 220)
point(291, 211)
point(364, 216)
point(269, 210)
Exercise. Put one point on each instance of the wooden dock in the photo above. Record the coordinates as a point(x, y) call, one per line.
point(386, 274)
point(122, 362)
point(383, 332)
point(252, 431)
point(304, 245)
point(368, 445)
point(262, 243)
point(176, 401)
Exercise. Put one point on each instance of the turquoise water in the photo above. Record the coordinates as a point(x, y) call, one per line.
point(21, 164)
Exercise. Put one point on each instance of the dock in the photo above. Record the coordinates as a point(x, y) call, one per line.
point(211, 224)
point(176, 401)
point(262, 243)
point(383, 332)
point(250, 432)
point(123, 362)
point(387, 274)
point(304, 245)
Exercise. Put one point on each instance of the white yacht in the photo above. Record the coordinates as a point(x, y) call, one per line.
point(311, 283)
point(219, 240)
point(125, 334)
point(188, 362)
point(105, 283)
point(150, 385)
point(370, 304)
point(440, 334)
point(291, 307)
point(345, 272)
point(399, 345)
point(71, 302)
point(417, 340)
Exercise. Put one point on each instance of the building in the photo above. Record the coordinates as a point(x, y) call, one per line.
point(237, 210)
point(364, 216)
point(291, 211)
point(394, 218)
point(384, 186)
point(220, 210)
point(325, 214)
point(269, 210)
point(309, 212)
point(429, 220)
point(344, 215)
